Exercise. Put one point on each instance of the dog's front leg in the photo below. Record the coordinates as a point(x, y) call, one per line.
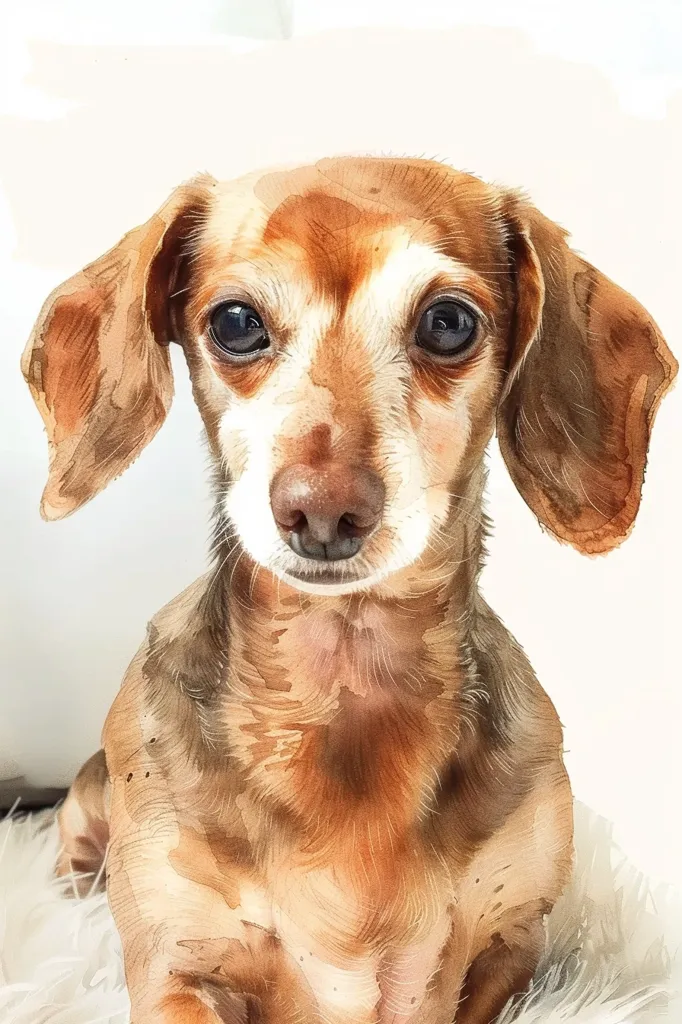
point(192, 957)
point(504, 969)
point(198, 943)
point(187, 999)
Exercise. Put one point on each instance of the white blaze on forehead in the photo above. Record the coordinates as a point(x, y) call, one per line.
point(405, 274)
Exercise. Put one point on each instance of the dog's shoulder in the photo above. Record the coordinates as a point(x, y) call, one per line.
point(509, 762)
point(513, 705)
point(180, 622)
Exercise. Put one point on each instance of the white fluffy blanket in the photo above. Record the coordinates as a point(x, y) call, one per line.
point(611, 959)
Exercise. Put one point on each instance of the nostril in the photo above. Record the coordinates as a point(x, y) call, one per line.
point(289, 519)
point(349, 527)
point(297, 522)
point(345, 526)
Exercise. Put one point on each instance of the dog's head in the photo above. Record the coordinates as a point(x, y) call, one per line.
point(355, 330)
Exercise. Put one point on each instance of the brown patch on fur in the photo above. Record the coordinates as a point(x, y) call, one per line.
point(340, 213)
point(262, 975)
point(340, 368)
point(504, 968)
point(324, 229)
point(213, 860)
point(313, 448)
point(188, 1008)
point(359, 745)
point(68, 371)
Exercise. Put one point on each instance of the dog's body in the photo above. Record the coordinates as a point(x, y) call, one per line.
point(388, 808)
point(331, 785)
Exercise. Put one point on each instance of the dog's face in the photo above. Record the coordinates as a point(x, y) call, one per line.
point(349, 347)
point(355, 330)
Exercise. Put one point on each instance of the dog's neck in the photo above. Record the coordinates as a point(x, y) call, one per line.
point(335, 702)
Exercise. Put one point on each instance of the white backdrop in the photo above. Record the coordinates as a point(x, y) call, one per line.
point(103, 111)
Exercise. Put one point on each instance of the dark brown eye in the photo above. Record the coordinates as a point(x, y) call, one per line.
point(447, 328)
point(238, 329)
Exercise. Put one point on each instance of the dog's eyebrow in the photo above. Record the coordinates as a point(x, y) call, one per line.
point(411, 272)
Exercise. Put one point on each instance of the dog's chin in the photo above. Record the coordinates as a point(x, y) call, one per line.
point(326, 584)
point(329, 580)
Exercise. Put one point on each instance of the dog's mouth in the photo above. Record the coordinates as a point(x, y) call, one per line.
point(332, 573)
point(332, 576)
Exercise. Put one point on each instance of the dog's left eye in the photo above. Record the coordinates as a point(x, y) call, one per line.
point(238, 329)
point(447, 329)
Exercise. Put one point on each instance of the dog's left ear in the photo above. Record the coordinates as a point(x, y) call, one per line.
point(587, 370)
point(97, 362)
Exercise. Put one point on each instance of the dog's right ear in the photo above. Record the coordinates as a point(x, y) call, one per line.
point(97, 361)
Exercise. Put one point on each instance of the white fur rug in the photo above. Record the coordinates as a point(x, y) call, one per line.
point(612, 956)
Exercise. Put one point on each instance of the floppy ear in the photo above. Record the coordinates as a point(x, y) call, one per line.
point(97, 361)
point(587, 370)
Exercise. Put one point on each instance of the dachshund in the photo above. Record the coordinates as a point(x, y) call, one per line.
point(331, 787)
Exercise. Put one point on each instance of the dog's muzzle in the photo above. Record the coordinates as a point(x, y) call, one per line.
point(326, 512)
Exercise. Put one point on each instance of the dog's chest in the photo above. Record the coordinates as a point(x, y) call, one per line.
point(340, 718)
point(327, 709)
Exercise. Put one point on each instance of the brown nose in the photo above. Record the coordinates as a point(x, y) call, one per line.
point(326, 512)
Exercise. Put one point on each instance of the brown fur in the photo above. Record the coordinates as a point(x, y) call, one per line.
point(327, 805)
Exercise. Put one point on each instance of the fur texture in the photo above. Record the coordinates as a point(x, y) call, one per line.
point(612, 956)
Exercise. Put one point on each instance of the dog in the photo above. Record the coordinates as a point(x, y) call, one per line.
point(331, 787)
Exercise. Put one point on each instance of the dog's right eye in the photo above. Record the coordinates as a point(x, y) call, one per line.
point(238, 329)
